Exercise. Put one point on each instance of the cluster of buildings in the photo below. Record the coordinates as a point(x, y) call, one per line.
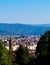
point(28, 41)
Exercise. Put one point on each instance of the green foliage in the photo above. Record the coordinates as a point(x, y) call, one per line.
point(4, 56)
point(43, 49)
point(15, 63)
point(32, 60)
point(43, 44)
point(22, 55)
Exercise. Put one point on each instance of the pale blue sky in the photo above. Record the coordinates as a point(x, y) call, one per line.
point(25, 11)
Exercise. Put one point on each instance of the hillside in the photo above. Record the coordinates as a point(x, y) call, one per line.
point(23, 29)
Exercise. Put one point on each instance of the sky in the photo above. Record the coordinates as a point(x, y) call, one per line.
point(25, 11)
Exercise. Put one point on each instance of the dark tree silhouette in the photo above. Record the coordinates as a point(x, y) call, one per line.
point(43, 50)
point(22, 55)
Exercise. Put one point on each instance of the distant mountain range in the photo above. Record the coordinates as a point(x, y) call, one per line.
point(23, 29)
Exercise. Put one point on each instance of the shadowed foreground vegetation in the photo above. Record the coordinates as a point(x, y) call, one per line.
point(22, 57)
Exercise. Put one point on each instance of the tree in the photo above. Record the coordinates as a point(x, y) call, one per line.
point(22, 55)
point(4, 56)
point(43, 49)
point(43, 46)
point(32, 60)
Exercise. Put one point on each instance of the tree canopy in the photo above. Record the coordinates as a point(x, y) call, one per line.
point(43, 46)
point(22, 55)
point(43, 49)
point(4, 56)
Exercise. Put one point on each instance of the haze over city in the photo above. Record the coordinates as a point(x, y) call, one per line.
point(25, 11)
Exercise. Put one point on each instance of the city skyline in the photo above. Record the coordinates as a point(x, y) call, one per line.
point(25, 11)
